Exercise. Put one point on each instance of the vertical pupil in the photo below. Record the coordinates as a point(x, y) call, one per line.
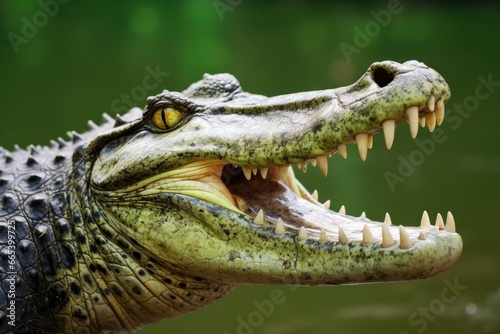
point(163, 117)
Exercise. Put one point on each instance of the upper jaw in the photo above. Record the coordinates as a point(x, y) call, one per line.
point(283, 130)
point(388, 94)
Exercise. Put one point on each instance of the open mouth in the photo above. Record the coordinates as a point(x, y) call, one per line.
point(274, 199)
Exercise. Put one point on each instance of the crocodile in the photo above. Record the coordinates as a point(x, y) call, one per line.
point(165, 209)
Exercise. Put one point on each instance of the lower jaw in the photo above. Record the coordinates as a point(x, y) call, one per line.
point(278, 201)
point(285, 205)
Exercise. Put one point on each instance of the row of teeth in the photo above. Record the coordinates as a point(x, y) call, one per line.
point(364, 141)
point(434, 117)
point(387, 239)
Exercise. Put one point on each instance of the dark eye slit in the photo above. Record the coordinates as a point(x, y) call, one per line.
point(163, 118)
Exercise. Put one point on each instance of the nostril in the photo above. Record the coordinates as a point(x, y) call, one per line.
point(382, 76)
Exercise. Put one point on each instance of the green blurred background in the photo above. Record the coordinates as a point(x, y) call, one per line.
point(79, 62)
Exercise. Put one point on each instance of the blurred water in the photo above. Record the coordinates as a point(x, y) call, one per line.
point(82, 61)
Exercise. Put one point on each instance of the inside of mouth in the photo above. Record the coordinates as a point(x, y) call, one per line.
point(287, 200)
point(284, 203)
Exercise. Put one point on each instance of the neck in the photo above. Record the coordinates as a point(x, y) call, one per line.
point(123, 285)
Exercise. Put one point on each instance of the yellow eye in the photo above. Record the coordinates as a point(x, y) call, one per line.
point(166, 118)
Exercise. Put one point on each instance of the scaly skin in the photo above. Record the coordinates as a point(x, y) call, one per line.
point(132, 222)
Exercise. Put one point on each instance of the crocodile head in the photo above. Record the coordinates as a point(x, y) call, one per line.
point(201, 182)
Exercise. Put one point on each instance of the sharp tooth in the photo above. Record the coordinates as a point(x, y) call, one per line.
point(440, 102)
point(404, 238)
point(302, 233)
point(387, 239)
point(342, 149)
point(247, 172)
point(327, 204)
point(421, 236)
point(362, 141)
point(431, 121)
point(440, 110)
point(439, 222)
point(284, 172)
point(323, 164)
point(259, 219)
point(313, 162)
point(367, 236)
point(279, 228)
point(425, 222)
point(389, 127)
point(387, 219)
point(254, 171)
point(363, 215)
point(412, 115)
point(291, 181)
point(342, 210)
point(315, 195)
point(322, 237)
point(302, 166)
point(450, 222)
point(439, 115)
point(370, 141)
point(421, 121)
point(241, 203)
point(431, 102)
point(263, 172)
point(342, 237)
